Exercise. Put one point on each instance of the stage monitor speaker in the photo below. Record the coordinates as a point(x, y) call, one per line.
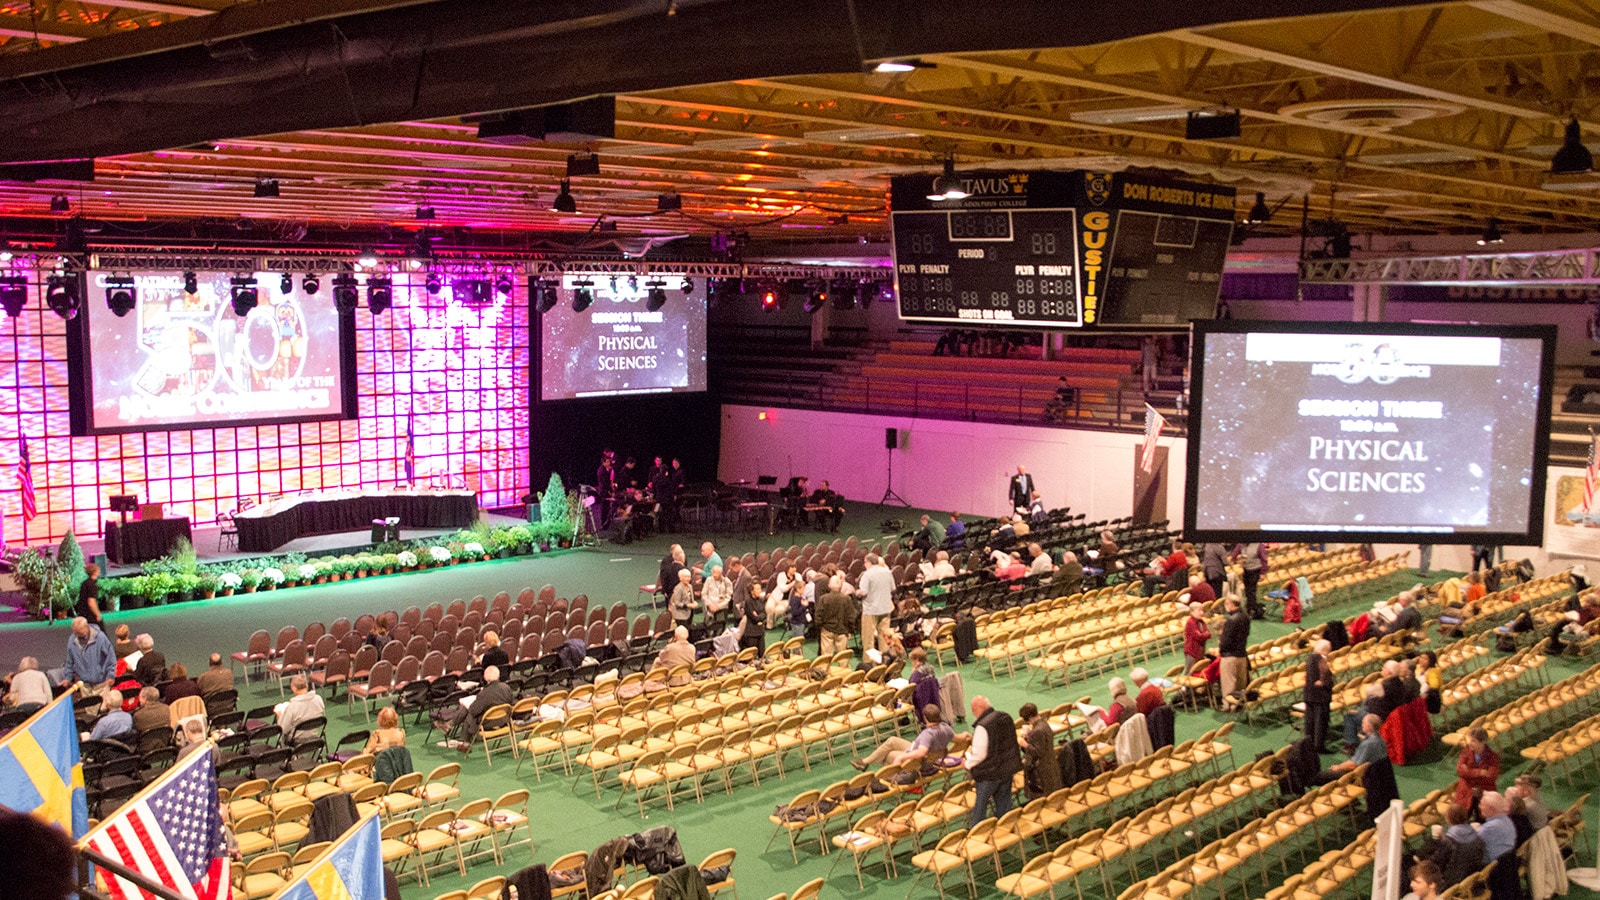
point(891, 438)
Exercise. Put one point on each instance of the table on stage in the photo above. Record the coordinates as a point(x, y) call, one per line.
point(270, 525)
point(143, 539)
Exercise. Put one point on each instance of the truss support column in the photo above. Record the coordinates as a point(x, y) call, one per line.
point(1368, 305)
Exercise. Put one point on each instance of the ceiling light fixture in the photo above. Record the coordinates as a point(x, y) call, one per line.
point(368, 258)
point(310, 284)
point(242, 291)
point(61, 295)
point(687, 286)
point(286, 284)
point(60, 204)
point(13, 294)
point(345, 293)
point(380, 295)
point(191, 283)
point(769, 299)
point(582, 295)
point(1491, 234)
point(948, 185)
point(546, 293)
point(433, 284)
point(1211, 125)
point(502, 286)
point(563, 203)
point(896, 66)
point(266, 187)
point(816, 299)
point(1260, 212)
point(1573, 158)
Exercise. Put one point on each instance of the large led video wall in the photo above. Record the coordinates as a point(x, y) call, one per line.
point(458, 374)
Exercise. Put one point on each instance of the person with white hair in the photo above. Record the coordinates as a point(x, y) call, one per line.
point(90, 658)
point(1318, 694)
point(682, 604)
point(678, 651)
point(1498, 832)
point(30, 688)
point(303, 705)
point(716, 593)
point(835, 614)
point(1121, 708)
point(152, 664)
point(113, 724)
point(1147, 695)
point(494, 693)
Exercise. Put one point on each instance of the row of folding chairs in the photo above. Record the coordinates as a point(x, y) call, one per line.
point(1029, 638)
point(1484, 689)
point(1276, 691)
point(1501, 606)
point(1541, 712)
point(1568, 751)
point(1087, 657)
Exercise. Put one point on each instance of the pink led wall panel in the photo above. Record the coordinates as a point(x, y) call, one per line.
point(459, 374)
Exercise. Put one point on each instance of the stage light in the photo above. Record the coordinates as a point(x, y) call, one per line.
point(564, 202)
point(1491, 234)
point(242, 290)
point(687, 286)
point(769, 300)
point(895, 66)
point(1573, 158)
point(425, 213)
point(13, 294)
point(368, 258)
point(286, 284)
point(310, 284)
point(345, 293)
point(60, 204)
point(191, 283)
point(583, 164)
point(380, 295)
point(266, 187)
point(657, 298)
point(547, 294)
point(121, 296)
point(1260, 212)
point(948, 186)
point(582, 295)
point(502, 286)
point(668, 203)
point(434, 284)
point(816, 299)
point(6, 255)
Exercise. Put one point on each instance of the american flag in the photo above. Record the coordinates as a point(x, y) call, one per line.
point(1590, 471)
point(1153, 423)
point(25, 483)
point(171, 833)
point(411, 452)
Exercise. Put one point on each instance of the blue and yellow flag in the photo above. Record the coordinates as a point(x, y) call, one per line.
point(40, 771)
point(352, 869)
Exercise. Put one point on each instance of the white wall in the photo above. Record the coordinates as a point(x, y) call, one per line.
point(962, 466)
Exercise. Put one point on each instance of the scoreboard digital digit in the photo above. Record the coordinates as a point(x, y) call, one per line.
point(1059, 249)
point(1007, 254)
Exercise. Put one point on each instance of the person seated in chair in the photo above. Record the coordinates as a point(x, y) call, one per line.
point(464, 725)
point(928, 536)
point(677, 652)
point(931, 743)
point(113, 724)
point(152, 713)
point(1371, 749)
point(833, 509)
point(303, 704)
point(716, 594)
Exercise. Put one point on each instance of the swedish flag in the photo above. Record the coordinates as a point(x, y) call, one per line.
point(40, 771)
point(352, 869)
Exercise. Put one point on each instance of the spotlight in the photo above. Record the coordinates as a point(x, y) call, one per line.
point(425, 213)
point(242, 290)
point(816, 299)
point(668, 203)
point(564, 202)
point(60, 204)
point(266, 187)
point(345, 294)
point(502, 286)
point(948, 186)
point(894, 66)
point(61, 295)
point(687, 286)
point(546, 293)
point(191, 283)
point(584, 164)
point(1491, 234)
point(1572, 159)
point(286, 284)
point(368, 257)
point(13, 294)
point(120, 295)
point(1260, 212)
point(380, 295)
point(656, 296)
point(434, 284)
point(769, 300)
point(310, 284)
point(582, 295)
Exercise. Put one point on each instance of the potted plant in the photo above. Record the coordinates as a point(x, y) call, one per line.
point(229, 582)
point(111, 594)
point(473, 551)
point(440, 556)
point(406, 560)
point(206, 585)
point(249, 580)
point(186, 586)
point(158, 588)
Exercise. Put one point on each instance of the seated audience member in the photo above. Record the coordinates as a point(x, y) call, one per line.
point(192, 735)
point(113, 724)
point(152, 665)
point(1477, 769)
point(1200, 592)
point(1458, 851)
point(1108, 550)
point(1009, 567)
point(179, 684)
point(956, 531)
point(716, 594)
point(1039, 562)
point(1037, 514)
point(924, 682)
point(1498, 833)
point(931, 743)
point(1149, 695)
point(1019, 527)
point(1069, 575)
point(1527, 787)
point(30, 688)
point(940, 568)
point(39, 861)
point(1426, 882)
point(303, 704)
point(216, 678)
point(892, 650)
point(152, 713)
point(493, 654)
point(1408, 618)
point(677, 652)
point(682, 603)
point(124, 646)
point(1120, 709)
point(387, 734)
point(1371, 749)
point(379, 636)
point(464, 727)
point(928, 536)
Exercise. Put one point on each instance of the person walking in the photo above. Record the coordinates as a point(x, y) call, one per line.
point(992, 760)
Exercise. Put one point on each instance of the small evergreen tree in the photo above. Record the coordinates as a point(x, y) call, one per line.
point(553, 507)
point(69, 562)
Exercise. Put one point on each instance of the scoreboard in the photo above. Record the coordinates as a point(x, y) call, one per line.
point(1035, 249)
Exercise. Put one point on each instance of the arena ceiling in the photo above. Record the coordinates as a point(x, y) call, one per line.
point(1416, 118)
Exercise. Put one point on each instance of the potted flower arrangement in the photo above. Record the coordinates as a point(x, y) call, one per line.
point(158, 588)
point(184, 586)
point(308, 573)
point(271, 577)
point(441, 556)
point(230, 582)
point(249, 579)
point(406, 560)
point(473, 551)
point(389, 562)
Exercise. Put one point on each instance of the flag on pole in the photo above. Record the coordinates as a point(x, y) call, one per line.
point(1591, 470)
point(411, 451)
point(40, 770)
point(171, 833)
point(25, 482)
point(352, 869)
point(1153, 423)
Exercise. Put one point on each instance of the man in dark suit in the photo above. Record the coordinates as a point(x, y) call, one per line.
point(494, 693)
point(1318, 695)
point(1021, 490)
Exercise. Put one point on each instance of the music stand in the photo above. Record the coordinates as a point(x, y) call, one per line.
point(124, 504)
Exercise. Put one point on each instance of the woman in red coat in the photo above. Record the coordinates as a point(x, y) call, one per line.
point(1478, 767)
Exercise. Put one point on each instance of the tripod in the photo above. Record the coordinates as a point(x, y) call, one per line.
point(889, 496)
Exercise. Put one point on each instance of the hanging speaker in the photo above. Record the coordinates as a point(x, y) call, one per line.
point(891, 438)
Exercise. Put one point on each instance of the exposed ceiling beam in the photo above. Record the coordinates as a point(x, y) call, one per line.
point(186, 8)
point(1549, 20)
point(45, 30)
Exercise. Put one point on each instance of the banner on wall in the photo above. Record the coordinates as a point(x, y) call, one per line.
point(1569, 531)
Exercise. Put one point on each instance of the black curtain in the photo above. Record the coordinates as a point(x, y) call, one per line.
point(568, 435)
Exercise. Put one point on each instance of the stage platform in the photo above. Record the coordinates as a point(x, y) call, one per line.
point(210, 547)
